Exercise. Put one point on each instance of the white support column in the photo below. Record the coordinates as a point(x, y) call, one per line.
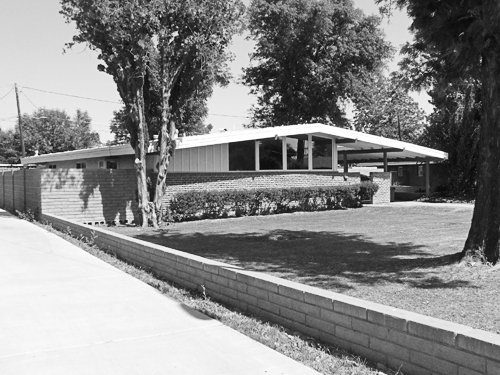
point(427, 178)
point(309, 152)
point(257, 160)
point(335, 155)
point(283, 153)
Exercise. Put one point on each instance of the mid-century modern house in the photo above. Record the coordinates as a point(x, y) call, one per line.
point(285, 156)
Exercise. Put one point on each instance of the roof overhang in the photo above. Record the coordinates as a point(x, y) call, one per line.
point(358, 147)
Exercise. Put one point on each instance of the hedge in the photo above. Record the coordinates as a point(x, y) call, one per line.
point(197, 205)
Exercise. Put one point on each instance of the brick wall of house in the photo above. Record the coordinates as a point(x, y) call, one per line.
point(383, 180)
point(181, 182)
point(404, 341)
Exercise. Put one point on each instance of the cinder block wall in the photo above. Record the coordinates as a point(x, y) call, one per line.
point(181, 182)
point(19, 197)
point(33, 191)
point(2, 189)
point(383, 180)
point(8, 185)
point(402, 340)
point(94, 196)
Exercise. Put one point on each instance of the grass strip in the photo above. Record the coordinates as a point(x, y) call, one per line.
point(324, 359)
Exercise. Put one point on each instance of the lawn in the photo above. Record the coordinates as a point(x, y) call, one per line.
point(402, 256)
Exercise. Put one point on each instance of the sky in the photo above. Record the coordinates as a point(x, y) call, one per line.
point(32, 39)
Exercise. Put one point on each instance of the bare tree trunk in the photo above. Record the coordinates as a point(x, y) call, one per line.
point(485, 228)
point(140, 160)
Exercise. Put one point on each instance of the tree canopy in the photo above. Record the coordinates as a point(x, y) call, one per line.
point(309, 57)
point(164, 56)
point(47, 131)
point(387, 110)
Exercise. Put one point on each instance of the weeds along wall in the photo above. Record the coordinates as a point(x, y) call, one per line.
point(401, 340)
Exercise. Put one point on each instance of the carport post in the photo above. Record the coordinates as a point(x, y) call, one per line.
point(427, 178)
point(346, 166)
point(385, 162)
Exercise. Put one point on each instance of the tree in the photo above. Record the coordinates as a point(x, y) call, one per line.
point(47, 131)
point(8, 154)
point(388, 111)
point(174, 49)
point(310, 56)
point(118, 127)
point(454, 127)
point(466, 37)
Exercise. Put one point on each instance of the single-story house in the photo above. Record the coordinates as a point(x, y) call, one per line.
point(284, 156)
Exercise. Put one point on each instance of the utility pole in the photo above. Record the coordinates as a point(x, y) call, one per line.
point(23, 151)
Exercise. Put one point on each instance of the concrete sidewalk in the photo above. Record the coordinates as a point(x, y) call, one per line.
point(62, 311)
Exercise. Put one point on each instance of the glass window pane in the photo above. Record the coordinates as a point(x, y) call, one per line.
point(322, 153)
point(297, 152)
point(271, 154)
point(242, 156)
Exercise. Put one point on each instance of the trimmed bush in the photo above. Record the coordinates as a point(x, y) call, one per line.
point(196, 205)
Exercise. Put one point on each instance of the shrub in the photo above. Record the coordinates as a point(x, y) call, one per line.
point(196, 205)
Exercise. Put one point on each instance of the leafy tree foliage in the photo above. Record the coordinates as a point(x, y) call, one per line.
point(8, 154)
point(465, 36)
point(388, 111)
point(310, 56)
point(174, 49)
point(47, 131)
point(118, 127)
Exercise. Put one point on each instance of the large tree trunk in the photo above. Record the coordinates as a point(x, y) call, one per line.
point(141, 145)
point(484, 233)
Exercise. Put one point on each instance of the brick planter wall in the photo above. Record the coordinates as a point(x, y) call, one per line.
point(401, 340)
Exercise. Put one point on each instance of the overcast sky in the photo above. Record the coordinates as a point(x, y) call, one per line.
point(32, 38)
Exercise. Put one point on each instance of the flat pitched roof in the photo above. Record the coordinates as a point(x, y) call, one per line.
point(359, 147)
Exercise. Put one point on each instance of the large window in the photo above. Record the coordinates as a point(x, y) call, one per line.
point(242, 156)
point(271, 154)
point(322, 153)
point(297, 152)
point(294, 152)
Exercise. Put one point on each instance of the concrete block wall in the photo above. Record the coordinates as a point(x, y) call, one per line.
point(402, 340)
point(9, 191)
point(33, 191)
point(19, 185)
point(383, 180)
point(2, 190)
point(181, 182)
point(94, 196)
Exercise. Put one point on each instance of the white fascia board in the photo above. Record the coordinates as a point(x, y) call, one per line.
point(100, 152)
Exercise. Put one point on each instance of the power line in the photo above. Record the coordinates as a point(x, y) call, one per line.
point(22, 92)
point(72, 96)
point(7, 93)
point(108, 101)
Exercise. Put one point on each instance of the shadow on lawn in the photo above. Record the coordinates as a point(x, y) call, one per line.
point(328, 260)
